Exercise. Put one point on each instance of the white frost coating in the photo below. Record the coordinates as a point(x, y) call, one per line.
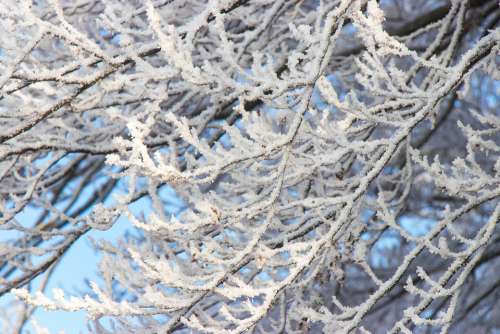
point(287, 166)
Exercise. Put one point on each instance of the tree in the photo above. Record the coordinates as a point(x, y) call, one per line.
point(338, 162)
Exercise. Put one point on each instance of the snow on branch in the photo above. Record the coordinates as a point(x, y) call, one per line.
point(284, 166)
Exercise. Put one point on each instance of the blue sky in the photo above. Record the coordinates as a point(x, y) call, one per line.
point(80, 263)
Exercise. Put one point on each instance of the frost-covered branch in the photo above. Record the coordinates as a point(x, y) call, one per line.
point(333, 166)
